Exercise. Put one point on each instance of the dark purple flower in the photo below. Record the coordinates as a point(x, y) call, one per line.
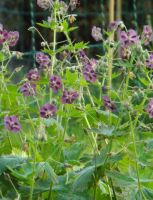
point(89, 73)
point(55, 83)
point(150, 108)
point(147, 35)
point(69, 97)
point(33, 75)
point(109, 104)
point(128, 38)
point(3, 36)
point(13, 37)
point(12, 123)
point(28, 89)
point(42, 59)
point(48, 110)
point(114, 25)
point(125, 52)
point(44, 4)
point(96, 33)
point(149, 62)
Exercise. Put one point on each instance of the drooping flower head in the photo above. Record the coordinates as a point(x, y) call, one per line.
point(109, 105)
point(44, 4)
point(128, 38)
point(33, 75)
point(28, 89)
point(13, 37)
point(48, 110)
point(55, 83)
point(42, 59)
point(114, 25)
point(11, 123)
point(150, 108)
point(89, 73)
point(96, 33)
point(149, 61)
point(69, 96)
point(147, 34)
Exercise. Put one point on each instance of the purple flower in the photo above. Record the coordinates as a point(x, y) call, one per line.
point(12, 123)
point(69, 97)
point(147, 34)
point(13, 37)
point(109, 104)
point(44, 4)
point(42, 59)
point(28, 89)
point(89, 73)
point(96, 33)
point(48, 110)
point(128, 38)
point(150, 108)
point(114, 25)
point(3, 35)
point(55, 83)
point(149, 62)
point(33, 75)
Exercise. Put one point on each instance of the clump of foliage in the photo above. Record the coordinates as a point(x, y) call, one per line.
point(77, 128)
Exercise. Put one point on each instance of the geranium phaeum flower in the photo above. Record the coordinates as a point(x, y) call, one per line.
point(13, 37)
point(33, 75)
point(48, 110)
point(11, 123)
point(3, 36)
point(108, 104)
point(114, 25)
point(89, 73)
point(69, 96)
point(42, 59)
point(149, 62)
point(44, 4)
point(55, 83)
point(28, 89)
point(96, 33)
point(147, 35)
point(128, 38)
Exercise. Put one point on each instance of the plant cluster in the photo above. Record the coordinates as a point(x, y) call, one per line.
point(77, 128)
